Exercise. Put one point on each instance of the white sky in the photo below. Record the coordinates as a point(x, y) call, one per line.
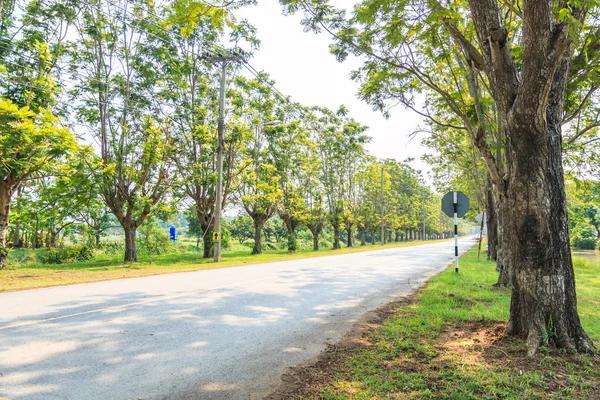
point(303, 68)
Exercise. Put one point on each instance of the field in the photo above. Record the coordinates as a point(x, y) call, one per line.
point(447, 343)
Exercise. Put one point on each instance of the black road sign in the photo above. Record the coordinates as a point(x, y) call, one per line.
point(448, 204)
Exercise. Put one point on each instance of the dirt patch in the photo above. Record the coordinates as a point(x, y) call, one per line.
point(468, 348)
point(300, 380)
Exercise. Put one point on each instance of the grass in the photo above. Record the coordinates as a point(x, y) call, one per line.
point(448, 343)
point(26, 273)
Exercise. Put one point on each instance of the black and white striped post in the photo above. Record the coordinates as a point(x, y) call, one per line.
point(455, 204)
point(455, 209)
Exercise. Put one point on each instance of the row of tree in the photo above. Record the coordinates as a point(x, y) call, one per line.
point(130, 80)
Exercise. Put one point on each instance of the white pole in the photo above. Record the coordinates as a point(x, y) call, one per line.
point(455, 204)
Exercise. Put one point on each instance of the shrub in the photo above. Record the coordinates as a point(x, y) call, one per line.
point(581, 243)
point(67, 254)
point(111, 247)
point(153, 239)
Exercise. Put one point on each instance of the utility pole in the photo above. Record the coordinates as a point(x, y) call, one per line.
point(382, 206)
point(423, 215)
point(223, 60)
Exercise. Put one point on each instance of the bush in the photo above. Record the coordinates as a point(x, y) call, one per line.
point(153, 239)
point(580, 243)
point(111, 247)
point(68, 254)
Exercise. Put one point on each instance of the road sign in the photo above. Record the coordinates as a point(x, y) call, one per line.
point(480, 217)
point(455, 204)
point(216, 237)
point(448, 204)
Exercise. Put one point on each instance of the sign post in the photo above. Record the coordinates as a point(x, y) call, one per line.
point(455, 205)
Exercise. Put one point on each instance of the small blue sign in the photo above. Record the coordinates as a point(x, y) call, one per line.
point(173, 232)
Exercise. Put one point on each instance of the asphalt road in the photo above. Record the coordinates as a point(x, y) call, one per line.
point(217, 334)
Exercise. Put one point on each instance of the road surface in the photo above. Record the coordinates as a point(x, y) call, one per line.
point(217, 334)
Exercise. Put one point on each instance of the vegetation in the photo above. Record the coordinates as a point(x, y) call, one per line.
point(33, 268)
point(133, 80)
point(447, 343)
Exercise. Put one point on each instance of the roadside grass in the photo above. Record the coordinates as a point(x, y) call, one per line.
point(448, 343)
point(31, 274)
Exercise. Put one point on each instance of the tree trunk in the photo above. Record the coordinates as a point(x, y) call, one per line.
point(336, 236)
point(373, 239)
point(130, 247)
point(492, 225)
point(349, 230)
point(97, 238)
point(315, 229)
point(389, 233)
point(207, 242)
point(544, 303)
point(397, 236)
point(4, 212)
point(258, 224)
point(53, 237)
point(363, 240)
point(17, 235)
point(291, 228)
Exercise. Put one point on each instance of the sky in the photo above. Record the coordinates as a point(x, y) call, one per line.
point(303, 68)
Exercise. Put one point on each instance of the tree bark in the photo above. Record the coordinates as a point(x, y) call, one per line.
point(336, 236)
point(17, 235)
point(492, 224)
point(130, 244)
point(363, 240)
point(315, 229)
point(4, 212)
point(258, 225)
point(349, 230)
point(207, 242)
point(544, 302)
point(290, 224)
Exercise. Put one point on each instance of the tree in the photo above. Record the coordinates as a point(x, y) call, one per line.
point(192, 91)
point(340, 145)
point(260, 189)
point(33, 138)
point(241, 228)
point(527, 80)
point(30, 142)
point(119, 74)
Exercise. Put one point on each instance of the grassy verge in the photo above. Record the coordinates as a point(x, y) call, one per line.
point(448, 343)
point(106, 267)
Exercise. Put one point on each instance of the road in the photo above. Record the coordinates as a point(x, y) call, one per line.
point(217, 334)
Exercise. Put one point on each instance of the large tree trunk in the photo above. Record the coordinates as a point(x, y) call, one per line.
point(130, 246)
point(258, 225)
point(363, 241)
point(544, 303)
point(336, 236)
point(373, 238)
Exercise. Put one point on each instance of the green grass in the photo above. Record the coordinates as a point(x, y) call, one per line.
point(26, 272)
point(448, 344)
